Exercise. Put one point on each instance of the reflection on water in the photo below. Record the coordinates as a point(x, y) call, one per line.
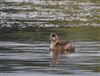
point(26, 59)
point(23, 13)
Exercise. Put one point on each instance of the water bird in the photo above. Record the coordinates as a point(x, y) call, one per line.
point(59, 47)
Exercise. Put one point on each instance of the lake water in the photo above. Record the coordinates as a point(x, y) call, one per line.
point(49, 13)
point(30, 59)
point(25, 53)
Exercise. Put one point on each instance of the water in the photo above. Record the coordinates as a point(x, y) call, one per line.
point(25, 53)
point(49, 13)
point(29, 59)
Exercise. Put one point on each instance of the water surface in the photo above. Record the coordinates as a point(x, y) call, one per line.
point(25, 53)
point(29, 59)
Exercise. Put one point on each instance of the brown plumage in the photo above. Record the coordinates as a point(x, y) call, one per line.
point(58, 47)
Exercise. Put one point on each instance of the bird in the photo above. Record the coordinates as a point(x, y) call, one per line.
point(59, 47)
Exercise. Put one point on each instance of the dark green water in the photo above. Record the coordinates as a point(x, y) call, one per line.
point(26, 53)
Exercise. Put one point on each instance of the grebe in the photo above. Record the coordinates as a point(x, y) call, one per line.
point(58, 47)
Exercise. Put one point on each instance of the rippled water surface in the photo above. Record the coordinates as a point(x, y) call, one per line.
point(26, 53)
point(29, 59)
point(23, 13)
